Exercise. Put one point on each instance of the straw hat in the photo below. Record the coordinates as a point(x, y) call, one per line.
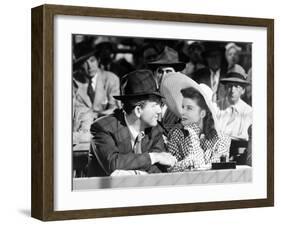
point(234, 77)
point(171, 87)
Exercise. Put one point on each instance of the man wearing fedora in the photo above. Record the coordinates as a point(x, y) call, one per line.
point(235, 119)
point(166, 62)
point(129, 140)
point(95, 88)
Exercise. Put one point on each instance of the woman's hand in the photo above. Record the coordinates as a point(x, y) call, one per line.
point(193, 137)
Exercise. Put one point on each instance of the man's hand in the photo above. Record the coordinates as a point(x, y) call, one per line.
point(88, 116)
point(163, 158)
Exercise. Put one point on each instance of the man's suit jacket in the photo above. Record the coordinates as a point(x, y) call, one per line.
point(107, 86)
point(111, 147)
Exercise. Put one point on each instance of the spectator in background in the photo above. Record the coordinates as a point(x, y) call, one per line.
point(236, 119)
point(145, 53)
point(94, 93)
point(166, 62)
point(232, 57)
point(105, 51)
point(196, 62)
point(213, 72)
point(123, 61)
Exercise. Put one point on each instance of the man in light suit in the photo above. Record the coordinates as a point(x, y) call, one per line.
point(130, 140)
point(93, 96)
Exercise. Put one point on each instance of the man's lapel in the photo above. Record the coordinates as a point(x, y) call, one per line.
point(100, 94)
point(145, 145)
point(123, 134)
point(83, 96)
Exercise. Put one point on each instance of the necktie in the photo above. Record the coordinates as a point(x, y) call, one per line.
point(137, 146)
point(91, 92)
point(214, 82)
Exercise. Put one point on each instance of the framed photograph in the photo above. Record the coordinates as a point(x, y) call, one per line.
point(142, 112)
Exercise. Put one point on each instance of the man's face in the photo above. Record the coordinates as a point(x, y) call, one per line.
point(149, 113)
point(162, 71)
point(91, 66)
point(191, 112)
point(196, 55)
point(235, 91)
point(214, 61)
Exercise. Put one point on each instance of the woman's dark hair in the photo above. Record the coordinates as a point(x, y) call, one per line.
point(208, 121)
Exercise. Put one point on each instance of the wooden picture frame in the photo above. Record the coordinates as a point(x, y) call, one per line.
point(43, 112)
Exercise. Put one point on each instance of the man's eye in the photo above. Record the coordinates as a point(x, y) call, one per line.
point(187, 107)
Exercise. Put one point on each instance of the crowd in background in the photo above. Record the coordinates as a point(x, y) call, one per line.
point(122, 55)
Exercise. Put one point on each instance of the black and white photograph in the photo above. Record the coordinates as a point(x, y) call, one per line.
point(160, 112)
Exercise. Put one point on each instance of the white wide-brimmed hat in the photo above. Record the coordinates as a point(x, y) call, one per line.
point(171, 87)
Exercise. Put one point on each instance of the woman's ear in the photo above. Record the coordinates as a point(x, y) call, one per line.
point(203, 113)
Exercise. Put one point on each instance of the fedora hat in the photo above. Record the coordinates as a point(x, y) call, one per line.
point(105, 46)
point(82, 51)
point(138, 84)
point(168, 58)
point(234, 77)
point(171, 87)
point(86, 49)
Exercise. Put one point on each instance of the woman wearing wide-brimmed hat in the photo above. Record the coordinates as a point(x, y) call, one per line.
point(197, 142)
